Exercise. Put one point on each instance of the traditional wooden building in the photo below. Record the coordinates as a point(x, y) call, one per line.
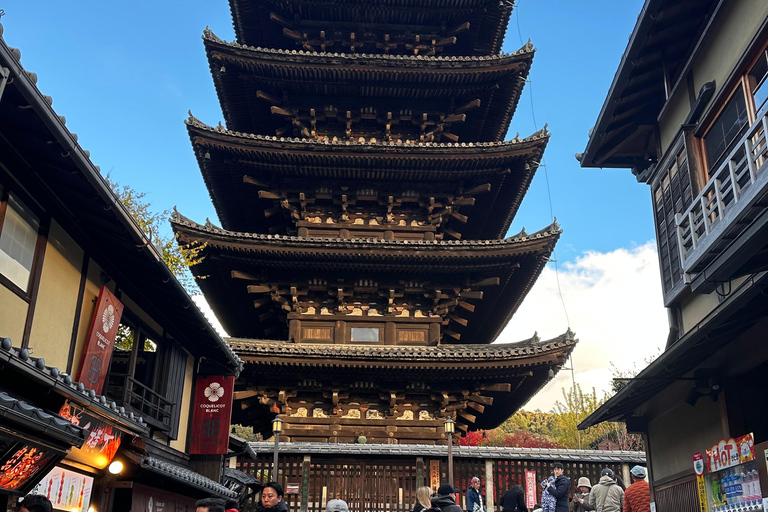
point(687, 112)
point(365, 191)
point(100, 346)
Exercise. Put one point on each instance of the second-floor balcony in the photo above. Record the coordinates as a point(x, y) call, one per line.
point(725, 225)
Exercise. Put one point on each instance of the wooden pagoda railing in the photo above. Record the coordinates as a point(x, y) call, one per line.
point(727, 200)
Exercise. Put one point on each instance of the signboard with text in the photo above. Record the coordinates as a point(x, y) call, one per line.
point(434, 474)
point(21, 465)
point(530, 489)
point(103, 439)
point(100, 342)
point(211, 416)
point(730, 452)
point(67, 489)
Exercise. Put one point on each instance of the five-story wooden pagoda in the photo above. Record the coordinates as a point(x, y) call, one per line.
point(365, 189)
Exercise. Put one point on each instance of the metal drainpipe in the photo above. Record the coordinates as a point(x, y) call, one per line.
point(4, 74)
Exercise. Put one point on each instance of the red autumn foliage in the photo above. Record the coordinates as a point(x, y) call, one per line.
point(517, 439)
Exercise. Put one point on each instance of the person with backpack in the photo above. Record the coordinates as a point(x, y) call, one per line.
point(606, 496)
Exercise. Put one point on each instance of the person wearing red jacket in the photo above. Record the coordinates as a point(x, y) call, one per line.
point(637, 497)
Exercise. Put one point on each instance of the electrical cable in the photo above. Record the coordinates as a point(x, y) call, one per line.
point(546, 177)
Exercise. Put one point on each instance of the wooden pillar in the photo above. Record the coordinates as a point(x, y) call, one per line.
point(294, 330)
point(305, 467)
point(625, 472)
point(340, 331)
point(434, 333)
point(389, 333)
point(419, 472)
point(490, 499)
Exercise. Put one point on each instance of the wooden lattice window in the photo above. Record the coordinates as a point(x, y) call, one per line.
point(672, 194)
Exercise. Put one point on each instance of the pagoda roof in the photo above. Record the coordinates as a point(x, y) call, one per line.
point(488, 20)
point(524, 364)
point(517, 261)
point(339, 78)
point(508, 166)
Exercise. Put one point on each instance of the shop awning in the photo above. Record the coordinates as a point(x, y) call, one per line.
point(22, 417)
point(186, 477)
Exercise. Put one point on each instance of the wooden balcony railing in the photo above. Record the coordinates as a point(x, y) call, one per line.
point(726, 201)
point(155, 408)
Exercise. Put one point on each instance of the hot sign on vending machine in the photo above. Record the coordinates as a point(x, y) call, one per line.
point(732, 480)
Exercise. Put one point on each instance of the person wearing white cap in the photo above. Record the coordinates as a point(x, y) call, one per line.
point(638, 495)
point(579, 503)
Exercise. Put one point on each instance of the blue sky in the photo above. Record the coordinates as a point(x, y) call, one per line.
point(125, 74)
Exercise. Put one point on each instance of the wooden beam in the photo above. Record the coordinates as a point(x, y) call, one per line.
point(479, 189)
point(262, 301)
point(469, 417)
point(459, 320)
point(486, 400)
point(455, 118)
point(458, 216)
point(468, 106)
point(488, 281)
point(466, 305)
point(279, 19)
point(269, 97)
point(479, 408)
point(266, 194)
point(280, 111)
point(501, 386)
point(452, 233)
point(237, 274)
point(458, 29)
point(253, 181)
point(472, 294)
point(258, 288)
point(452, 334)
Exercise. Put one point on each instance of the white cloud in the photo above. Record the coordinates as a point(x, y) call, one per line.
point(615, 306)
point(208, 312)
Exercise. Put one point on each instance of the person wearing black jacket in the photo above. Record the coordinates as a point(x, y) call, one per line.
point(559, 488)
point(513, 500)
point(445, 500)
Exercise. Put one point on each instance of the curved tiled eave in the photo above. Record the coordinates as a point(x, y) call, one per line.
point(517, 262)
point(259, 352)
point(488, 20)
point(225, 157)
point(349, 81)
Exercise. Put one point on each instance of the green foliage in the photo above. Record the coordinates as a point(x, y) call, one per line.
point(178, 258)
point(245, 432)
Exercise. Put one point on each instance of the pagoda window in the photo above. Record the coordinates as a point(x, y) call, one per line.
point(19, 228)
point(364, 334)
point(317, 332)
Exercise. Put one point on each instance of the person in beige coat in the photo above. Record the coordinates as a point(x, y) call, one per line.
point(607, 495)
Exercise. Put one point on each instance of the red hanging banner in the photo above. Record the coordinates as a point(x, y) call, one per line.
point(212, 414)
point(100, 342)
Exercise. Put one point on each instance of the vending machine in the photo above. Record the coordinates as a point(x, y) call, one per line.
point(728, 476)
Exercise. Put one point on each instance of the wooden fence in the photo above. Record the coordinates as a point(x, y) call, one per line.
point(381, 484)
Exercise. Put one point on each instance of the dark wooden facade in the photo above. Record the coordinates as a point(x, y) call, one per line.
point(392, 476)
point(364, 189)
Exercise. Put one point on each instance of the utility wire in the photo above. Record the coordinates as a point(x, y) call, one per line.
point(546, 175)
point(551, 214)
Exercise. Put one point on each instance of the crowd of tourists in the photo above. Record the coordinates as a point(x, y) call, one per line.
point(609, 494)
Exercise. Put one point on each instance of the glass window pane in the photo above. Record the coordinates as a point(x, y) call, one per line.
point(727, 129)
point(17, 242)
point(758, 76)
point(365, 334)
